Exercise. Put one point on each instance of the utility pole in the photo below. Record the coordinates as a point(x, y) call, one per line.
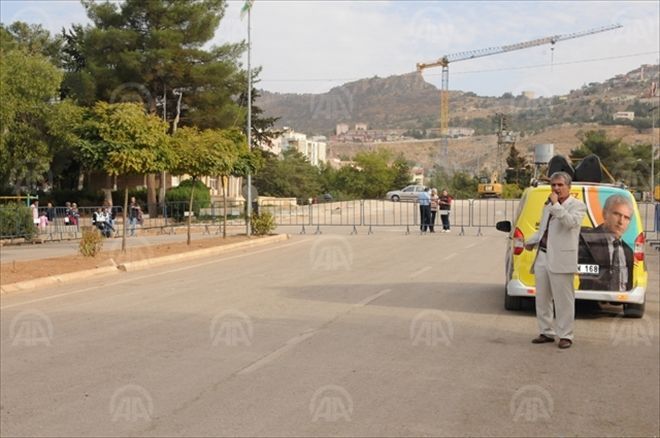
point(653, 142)
point(248, 210)
point(163, 189)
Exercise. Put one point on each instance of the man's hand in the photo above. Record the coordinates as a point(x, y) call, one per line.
point(554, 198)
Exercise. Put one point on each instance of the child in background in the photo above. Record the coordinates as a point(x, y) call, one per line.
point(43, 222)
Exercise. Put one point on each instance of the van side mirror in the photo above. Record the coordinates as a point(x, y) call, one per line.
point(503, 226)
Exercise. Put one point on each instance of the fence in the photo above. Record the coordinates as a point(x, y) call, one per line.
point(466, 213)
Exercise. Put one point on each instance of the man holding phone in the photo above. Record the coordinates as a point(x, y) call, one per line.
point(556, 261)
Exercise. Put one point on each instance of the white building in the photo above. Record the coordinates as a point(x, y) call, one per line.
point(314, 149)
point(342, 128)
point(629, 115)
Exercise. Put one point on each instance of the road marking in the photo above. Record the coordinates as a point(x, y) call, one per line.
point(452, 255)
point(370, 299)
point(420, 272)
point(472, 245)
point(307, 334)
point(141, 277)
point(290, 344)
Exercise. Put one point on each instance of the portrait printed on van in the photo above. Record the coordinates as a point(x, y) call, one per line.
point(605, 253)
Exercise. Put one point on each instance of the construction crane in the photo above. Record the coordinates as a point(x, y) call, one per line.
point(472, 54)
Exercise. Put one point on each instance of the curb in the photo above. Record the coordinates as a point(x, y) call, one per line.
point(158, 261)
point(136, 266)
point(56, 279)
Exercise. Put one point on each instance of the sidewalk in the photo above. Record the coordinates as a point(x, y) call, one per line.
point(63, 248)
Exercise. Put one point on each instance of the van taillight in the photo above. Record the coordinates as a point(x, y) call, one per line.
point(639, 248)
point(518, 241)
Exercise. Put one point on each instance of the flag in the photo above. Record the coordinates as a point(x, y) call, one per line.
point(246, 8)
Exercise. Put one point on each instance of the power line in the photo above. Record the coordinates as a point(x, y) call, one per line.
point(473, 71)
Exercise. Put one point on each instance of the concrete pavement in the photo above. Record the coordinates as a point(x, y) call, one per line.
point(330, 334)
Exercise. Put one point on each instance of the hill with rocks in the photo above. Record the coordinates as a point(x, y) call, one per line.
point(408, 102)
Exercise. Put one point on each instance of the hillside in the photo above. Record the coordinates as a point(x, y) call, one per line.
point(409, 102)
point(479, 152)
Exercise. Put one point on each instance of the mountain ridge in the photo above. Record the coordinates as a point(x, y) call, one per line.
point(409, 102)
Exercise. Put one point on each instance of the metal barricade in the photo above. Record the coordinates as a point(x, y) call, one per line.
point(650, 215)
point(341, 213)
point(385, 213)
point(487, 212)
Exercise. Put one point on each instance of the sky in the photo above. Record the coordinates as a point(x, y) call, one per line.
point(312, 46)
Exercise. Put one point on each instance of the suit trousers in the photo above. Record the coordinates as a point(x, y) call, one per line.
point(555, 287)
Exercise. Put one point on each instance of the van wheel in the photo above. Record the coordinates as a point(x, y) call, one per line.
point(395, 198)
point(633, 310)
point(512, 303)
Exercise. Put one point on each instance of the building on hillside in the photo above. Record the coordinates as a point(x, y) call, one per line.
point(314, 149)
point(342, 128)
point(621, 115)
point(360, 126)
point(337, 163)
point(529, 94)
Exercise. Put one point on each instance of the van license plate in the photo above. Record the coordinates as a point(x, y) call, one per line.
point(588, 269)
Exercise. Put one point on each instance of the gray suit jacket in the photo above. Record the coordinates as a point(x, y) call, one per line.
point(563, 235)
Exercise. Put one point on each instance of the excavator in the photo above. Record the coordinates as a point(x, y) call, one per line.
point(489, 187)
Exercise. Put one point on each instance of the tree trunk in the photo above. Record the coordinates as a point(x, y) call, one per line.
point(81, 180)
point(107, 192)
point(224, 206)
point(192, 192)
point(162, 189)
point(152, 206)
point(125, 216)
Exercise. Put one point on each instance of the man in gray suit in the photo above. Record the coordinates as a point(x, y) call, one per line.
point(556, 261)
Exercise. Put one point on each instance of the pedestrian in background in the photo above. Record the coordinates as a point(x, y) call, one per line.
point(435, 205)
point(556, 261)
point(445, 207)
point(35, 213)
point(134, 215)
point(50, 212)
point(424, 209)
point(43, 222)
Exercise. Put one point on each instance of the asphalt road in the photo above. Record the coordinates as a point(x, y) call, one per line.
point(333, 334)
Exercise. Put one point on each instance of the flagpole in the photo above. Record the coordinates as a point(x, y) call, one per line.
point(249, 131)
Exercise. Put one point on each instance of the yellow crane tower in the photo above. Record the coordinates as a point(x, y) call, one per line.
point(471, 54)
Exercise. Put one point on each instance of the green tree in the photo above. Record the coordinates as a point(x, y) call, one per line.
point(614, 155)
point(262, 126)
point(33, 39)
point(290, 176)
point(207, 152)
point(122, 139)
point(378, 177)
point(518, 171)
point(28, 87)
point(402, 175)
point(148, 51)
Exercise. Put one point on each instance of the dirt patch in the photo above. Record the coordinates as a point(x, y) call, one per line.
point(14, 272)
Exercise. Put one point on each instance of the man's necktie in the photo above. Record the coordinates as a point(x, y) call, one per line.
point(615, 279)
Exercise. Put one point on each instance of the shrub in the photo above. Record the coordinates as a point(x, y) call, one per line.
point(262, 224)
point(511, 191)
point(91, 242)
point(179, 197)
point(16, 221)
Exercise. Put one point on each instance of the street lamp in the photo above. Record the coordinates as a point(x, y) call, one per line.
point(653, 152)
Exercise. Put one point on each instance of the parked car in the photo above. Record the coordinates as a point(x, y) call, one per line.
point(520, 282)
point(326, 197)
point(409, 193)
